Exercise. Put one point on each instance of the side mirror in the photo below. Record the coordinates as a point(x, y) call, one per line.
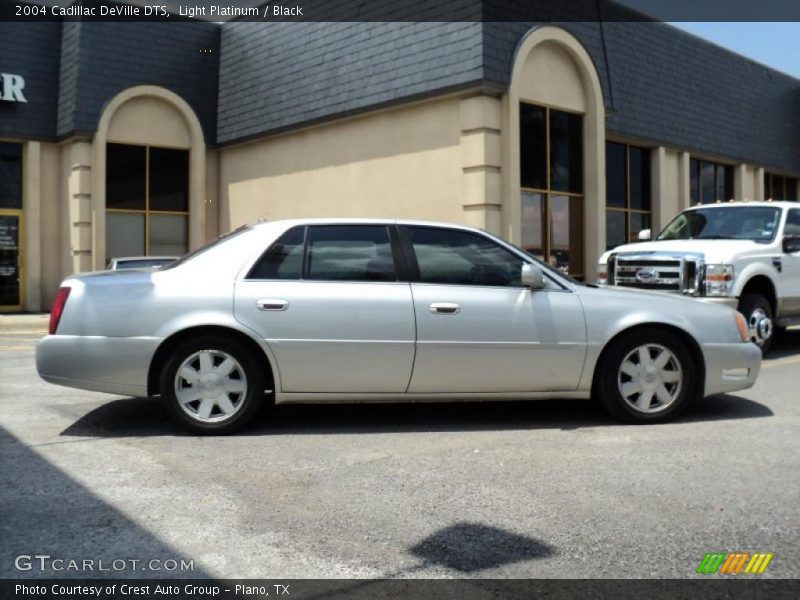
point(532, 276)
point(791, 244)
point(644, 235)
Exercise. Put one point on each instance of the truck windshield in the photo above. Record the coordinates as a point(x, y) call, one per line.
point(755, 223)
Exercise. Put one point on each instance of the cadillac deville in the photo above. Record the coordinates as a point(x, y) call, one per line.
point(343, 310)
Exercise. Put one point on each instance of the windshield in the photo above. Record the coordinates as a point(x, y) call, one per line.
point(755, 223)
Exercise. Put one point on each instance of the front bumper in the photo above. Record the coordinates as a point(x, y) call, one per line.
point(730, 367)
point(115, 365)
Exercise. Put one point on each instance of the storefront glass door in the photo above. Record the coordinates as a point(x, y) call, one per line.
point(10, 260)
point(11, 263)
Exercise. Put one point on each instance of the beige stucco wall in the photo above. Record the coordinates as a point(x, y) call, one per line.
point(149, 120)
point(549, 76)
point(403, 163)
point(666, 191)
point(52, 221)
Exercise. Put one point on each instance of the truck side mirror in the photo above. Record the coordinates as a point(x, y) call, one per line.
point(532, 276)
point(791, 244)
point(644, 235)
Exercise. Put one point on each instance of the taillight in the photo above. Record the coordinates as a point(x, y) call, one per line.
point(58, 308)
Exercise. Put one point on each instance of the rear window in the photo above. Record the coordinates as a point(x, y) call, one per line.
point(202, 249)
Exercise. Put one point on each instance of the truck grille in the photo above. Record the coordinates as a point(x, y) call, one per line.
point(654, 272)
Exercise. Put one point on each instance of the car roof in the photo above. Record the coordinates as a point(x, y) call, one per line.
point(122, 258)
point(358, 221)
point(773, 203)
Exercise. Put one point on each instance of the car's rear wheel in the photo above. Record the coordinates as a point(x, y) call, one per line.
point(646, 376)
point(212, 386)
point(757, 312)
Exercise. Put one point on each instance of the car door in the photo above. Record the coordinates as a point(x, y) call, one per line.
point(478, 328)
point(328, 301)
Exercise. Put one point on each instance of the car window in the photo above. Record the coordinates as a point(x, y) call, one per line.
point(350, 253)
point(284, 259)
point(463, 258)
point(792, 222)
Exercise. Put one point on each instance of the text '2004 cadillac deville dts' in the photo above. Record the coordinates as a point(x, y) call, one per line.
point(337, 310)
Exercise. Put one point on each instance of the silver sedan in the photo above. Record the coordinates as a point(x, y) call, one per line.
point(361, 310)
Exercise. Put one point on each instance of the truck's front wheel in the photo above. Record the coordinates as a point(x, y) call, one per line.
point(758, 312)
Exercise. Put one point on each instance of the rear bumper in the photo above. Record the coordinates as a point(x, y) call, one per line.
point(730, 367)
point(114, 365)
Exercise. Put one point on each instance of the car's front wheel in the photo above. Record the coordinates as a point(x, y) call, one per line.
point(646, 376)
point(212, 386)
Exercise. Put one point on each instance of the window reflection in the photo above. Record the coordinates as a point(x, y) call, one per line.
point(551, 178)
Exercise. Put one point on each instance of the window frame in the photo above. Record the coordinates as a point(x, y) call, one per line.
point(626, 209)
point(147, 211)
point(785, 180)
point(21, 160)
point(415, 276)
point(696, 175)
point(548, 192)
point(394, 244)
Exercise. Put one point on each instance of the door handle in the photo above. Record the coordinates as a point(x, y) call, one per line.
point(444, 308)
point(272, 304)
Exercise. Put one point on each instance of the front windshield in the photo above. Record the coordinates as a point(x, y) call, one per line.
point(755, 223)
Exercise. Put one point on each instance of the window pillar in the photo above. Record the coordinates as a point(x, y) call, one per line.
point(684, 181)
point(480, 162)
point(739, 181)
point(661, 202)
point(78, 169)
point(32, 206)
point(759, 184)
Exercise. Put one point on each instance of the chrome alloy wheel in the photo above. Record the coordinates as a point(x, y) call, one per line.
point(650, 378)
point(210, 386)
point(759, 326)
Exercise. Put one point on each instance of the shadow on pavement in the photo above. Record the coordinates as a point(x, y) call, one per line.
point(146, 417)
point(470, 547)
point(45, 511)
point(785, 344)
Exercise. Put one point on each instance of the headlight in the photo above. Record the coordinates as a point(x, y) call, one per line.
point(741, 324)
point(602, 274)
point(718, 280)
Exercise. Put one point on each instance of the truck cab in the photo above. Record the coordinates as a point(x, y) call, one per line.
point(742, 254)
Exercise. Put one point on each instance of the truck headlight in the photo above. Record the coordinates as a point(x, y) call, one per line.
point(718, 280)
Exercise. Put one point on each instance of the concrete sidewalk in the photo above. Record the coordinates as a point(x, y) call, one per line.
point(25, 322)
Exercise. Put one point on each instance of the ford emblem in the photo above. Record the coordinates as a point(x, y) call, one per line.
point(646, 274)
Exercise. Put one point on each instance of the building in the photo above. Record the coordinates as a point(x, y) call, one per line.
point(128, 138)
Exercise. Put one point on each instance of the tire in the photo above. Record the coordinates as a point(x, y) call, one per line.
point(212, 385)
point(760, 319)
point(634, 394)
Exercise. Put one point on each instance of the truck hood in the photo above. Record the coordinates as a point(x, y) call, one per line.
point(713, 251)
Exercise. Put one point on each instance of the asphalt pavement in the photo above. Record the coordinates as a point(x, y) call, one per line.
point(548, 489)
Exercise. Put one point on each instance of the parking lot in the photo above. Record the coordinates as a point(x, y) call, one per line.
point(551, 489)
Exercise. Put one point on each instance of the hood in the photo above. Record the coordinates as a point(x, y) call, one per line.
point(713, 251)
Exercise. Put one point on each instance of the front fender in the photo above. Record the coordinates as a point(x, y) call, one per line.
point(752, 270)
point(610, 312)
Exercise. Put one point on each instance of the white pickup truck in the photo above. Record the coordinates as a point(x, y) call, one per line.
point(743, 254)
